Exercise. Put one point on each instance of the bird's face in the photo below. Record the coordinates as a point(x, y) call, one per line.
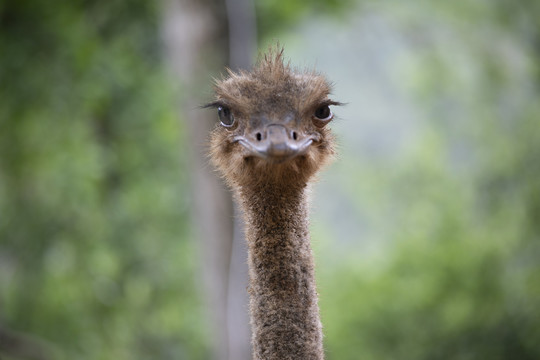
point(272, 125)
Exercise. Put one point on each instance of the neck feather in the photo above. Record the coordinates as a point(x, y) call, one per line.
point(283, 298)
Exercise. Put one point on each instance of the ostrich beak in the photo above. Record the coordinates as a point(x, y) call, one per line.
point(276, 143)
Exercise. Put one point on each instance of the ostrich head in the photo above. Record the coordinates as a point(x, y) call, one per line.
point(272, 126)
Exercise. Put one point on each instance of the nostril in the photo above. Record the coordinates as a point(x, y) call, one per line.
point(294, 135)
point(258, 136)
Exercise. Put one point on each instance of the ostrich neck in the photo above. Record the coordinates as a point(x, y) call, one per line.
point(283, 298)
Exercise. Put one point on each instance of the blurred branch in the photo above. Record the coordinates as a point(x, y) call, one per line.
point(22, 346)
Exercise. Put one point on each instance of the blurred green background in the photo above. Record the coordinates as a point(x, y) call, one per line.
point(426, 229)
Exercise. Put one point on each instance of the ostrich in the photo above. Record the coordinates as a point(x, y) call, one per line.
point(270, 143)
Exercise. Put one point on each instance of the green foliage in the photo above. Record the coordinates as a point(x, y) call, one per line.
point(93, 252)
point(460, 280)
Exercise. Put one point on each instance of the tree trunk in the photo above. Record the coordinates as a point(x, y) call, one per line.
point(242, 46)
point(191, 31)
point(196, 48)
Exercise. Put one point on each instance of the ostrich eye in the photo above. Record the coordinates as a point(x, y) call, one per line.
point(323, 112)
point(322, 116)
point(225, 116)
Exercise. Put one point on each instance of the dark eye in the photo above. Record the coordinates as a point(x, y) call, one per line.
point(323, 112)
point(225, 116)
point(322, 116)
